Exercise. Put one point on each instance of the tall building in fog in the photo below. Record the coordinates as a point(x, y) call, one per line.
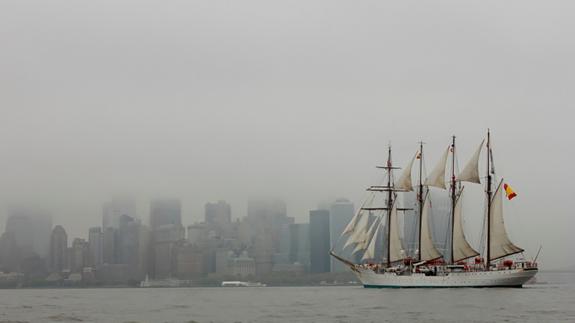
point(218, 217)
point(132, 246)
point(167, 233)
point(265, 219)
point(79, 255)
point(58, 249)
point(341, 211)
point(109, 250)
point(299, 251)
point(114, 209)
point(218, 213)
point(32, 230)
point(162, 212)
point(96, 246)
point(319, 239)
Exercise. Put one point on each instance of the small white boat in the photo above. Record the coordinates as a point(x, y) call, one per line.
point(237, 283)
point(168, 282)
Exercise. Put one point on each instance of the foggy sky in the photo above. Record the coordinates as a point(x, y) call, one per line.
point(208, 100)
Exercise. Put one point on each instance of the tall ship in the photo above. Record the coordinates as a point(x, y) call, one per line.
point(373, 246)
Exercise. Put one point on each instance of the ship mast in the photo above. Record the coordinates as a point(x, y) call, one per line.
point(420, 197)
point(389, 204)
point(488, 191)
point(452, 195)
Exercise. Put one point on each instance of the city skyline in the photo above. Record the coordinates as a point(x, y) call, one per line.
point(286, 100)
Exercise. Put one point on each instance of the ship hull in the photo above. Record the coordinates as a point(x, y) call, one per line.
point(496, 278)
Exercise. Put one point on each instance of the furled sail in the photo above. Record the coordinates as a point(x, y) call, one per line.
point(461, 248)
point(395, 245)
point(404, 181)
point(437, 176)
point(427, 249)
point(370, 252)
point(499, 243)
point(471, 171)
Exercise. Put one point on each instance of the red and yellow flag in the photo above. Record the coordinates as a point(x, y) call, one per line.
point(509, 192)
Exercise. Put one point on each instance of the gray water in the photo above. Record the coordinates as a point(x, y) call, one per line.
point(552, 299)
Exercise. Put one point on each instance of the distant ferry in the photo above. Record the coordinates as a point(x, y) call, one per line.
point(373, 232)
point(168, 282)
point(238, 283)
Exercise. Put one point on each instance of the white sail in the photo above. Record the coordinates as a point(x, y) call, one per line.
point(359, 230)
point(395, 245)
point(499, 243)
point(471, 171)
point(427, 249)
point(461, 248)
point(351, 225)
point(365, 240)
point(437, 176)
point(404, 181)
point(353, 222)
point(370, 252)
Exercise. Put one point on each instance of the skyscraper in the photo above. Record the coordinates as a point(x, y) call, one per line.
point(114, 209)
point(266, 218)
point(300, 244)
point(218, 213)
point(132, 246)
point(219, 218)
point(319, 241)
point(341, 211)
point(109, 252)
point(164, 212)
point(79, 255)
point(58, 249)
point(167, 233)
point(32, 229)
point(96, 246)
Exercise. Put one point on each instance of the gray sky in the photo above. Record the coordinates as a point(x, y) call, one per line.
point(207, 100)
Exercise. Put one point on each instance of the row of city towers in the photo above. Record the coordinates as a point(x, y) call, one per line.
point(123, 248)
point(265, 241)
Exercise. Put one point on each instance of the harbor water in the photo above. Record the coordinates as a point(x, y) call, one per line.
point(550, 299)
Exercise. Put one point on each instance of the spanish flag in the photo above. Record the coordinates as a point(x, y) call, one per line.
point(509, 192)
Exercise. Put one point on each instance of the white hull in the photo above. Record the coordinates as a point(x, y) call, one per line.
point(497, 278)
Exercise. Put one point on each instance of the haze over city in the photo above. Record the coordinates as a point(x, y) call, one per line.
point(298, 100)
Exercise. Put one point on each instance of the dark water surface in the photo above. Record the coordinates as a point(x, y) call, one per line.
point(552, 299)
